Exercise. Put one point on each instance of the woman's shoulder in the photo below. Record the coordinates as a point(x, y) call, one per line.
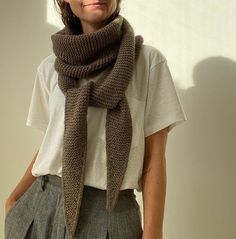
point(47, 63)
point(151, 55)
point(47, 71)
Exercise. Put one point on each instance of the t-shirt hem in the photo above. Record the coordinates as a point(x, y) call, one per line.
point(157, 127)
point(37, 126)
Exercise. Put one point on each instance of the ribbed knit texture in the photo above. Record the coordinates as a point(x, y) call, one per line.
point(113, 47)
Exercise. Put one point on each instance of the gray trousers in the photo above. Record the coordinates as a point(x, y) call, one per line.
point(39, 214)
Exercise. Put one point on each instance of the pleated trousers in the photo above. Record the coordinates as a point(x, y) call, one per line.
point(39, 214)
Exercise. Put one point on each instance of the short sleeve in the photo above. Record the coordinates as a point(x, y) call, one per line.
point(163, 106)
point(38, 113)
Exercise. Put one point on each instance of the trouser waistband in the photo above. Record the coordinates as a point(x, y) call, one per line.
point(56, 181)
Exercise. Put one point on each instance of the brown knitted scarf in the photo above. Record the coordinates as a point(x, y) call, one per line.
point(79, 56)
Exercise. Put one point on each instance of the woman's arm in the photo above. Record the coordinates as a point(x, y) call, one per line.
point(21, 187)
point(154, 184)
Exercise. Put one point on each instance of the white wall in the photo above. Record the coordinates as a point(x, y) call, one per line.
point(198, 39)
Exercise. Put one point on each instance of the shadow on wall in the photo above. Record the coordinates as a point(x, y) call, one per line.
point(205, 189)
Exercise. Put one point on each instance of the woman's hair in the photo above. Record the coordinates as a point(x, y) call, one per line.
point(72, 21)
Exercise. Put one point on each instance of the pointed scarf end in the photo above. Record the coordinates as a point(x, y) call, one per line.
point(110, 205)
point(71, 231)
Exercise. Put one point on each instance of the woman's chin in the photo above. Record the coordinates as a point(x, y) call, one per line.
point(96, 18)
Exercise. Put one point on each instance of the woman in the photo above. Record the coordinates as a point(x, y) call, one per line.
point(106, 103)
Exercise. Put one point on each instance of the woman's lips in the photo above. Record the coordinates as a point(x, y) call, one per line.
point(95, 4)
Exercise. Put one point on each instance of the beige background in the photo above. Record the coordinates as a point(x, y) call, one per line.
point(199, 40)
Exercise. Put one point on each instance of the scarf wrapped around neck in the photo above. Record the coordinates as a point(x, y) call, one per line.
point(113, 47)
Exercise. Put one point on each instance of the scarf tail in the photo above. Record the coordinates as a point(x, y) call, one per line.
point(118, 143)
point(74, 155)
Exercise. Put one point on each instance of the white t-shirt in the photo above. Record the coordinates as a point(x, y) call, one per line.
point(154, 105)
